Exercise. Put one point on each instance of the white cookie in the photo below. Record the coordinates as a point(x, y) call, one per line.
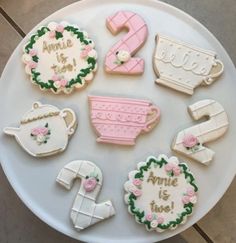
point(44, 130)
point(85, 211)
point(190, 142)
point(161, 193)
point(60, 57)
point(182, 66)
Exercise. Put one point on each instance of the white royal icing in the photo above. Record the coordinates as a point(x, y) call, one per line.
point(160, 203)
point(182, 66)
point(65, 57)
point(205, 132)
point(44, 130)
point(85, 211)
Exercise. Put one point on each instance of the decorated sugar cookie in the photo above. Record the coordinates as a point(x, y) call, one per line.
point(184, 67)
point(60, 57)
point(85, 211)
point(120, 58)
point(161, 193)
point(190, 141)
point(44, 130)
point(120, 120)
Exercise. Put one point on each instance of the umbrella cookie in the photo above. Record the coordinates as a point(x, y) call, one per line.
point(120, 120)
point(184, 67)
point(44, 130)
point(85, 211)
point(60, 57)
point(161, 193)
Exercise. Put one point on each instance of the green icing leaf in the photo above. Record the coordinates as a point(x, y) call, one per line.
point(59, 35)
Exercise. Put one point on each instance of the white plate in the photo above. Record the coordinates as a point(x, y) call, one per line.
point(34, 179)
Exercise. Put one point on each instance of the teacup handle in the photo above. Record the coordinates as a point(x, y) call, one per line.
point(211, 78)
point(154, 118)
point(71, 123)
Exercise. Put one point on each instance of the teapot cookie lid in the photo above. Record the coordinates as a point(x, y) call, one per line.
point(38, 112)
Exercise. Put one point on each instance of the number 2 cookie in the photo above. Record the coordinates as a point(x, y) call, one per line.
point(161, 193)
point(119, 58)
point(60, 57)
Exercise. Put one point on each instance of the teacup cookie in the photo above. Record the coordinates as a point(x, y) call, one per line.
point(44, 130)
point(85, 211)
point(182, 66)
point(161, 193)
point(120, 120)
point(60, 57)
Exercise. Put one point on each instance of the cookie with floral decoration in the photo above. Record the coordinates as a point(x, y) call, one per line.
point(60, 57)
point(161, 193)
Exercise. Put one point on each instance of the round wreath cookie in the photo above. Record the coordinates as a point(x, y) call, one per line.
point(161, 193)
point(60, 57)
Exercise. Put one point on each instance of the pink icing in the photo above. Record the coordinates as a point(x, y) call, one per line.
point(176, 171)
point(85, 51)
point(137, 192)
point(189, 141)
point(90, 184)
point(32, 64)
point(185, 199)
point(39, 131)
point(120, 120)
point(137, 182)
point(160, 219)
point(149, 217)
point(131, 42)
point(33, 52)
point(52, 34)
point(190, 192)
point(169, 167)
point(60, 28)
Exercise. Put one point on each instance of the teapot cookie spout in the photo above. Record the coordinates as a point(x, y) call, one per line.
point(12, 131)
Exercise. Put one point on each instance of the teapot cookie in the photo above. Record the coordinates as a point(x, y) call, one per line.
point(44, 130)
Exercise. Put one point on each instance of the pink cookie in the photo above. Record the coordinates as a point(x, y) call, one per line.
point(119, 58)
point(121, 120)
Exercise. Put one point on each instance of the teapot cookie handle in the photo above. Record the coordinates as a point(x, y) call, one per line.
point(70, 119)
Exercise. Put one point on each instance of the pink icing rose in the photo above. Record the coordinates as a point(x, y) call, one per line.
point(190, 192)
point(160, 219)
point(52, 34)
point(176, 170)
point(85, 51)
point(33, 52)
point(137, 192)
point(40, 131)
point(185, 199)
point(89, 184)
point(60, 28)
point(189, 141)
point(149, 217)
point(32, 64)
point(169, 167)
point(63, 82)
point(137, 182)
